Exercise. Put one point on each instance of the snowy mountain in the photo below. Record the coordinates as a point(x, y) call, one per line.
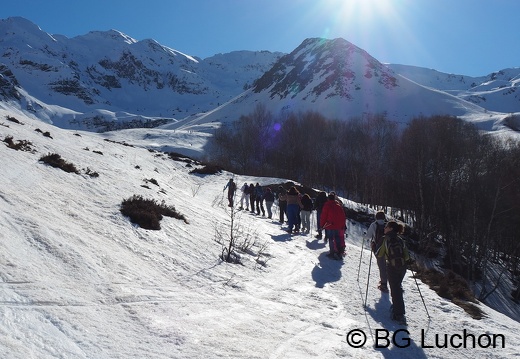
point(494, 92)
point(341, 81)
point(101, 77)
point(106, 80)
point(79, 280)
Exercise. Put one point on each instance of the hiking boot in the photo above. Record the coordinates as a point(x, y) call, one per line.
point(383, 287)
point(319, 236)
point(399, 318)
point(335, 256)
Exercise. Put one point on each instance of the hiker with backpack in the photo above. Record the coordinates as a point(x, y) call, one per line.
point(333, 220)
point(231, 187)
point(375, 233)
point(393, 249)
point(294, 204)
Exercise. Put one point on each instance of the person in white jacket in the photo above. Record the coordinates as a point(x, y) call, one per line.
point(245, 196)
point(375, 233)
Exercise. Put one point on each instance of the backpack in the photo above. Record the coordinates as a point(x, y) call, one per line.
point(378, 237)
point(380, 232)
point(396, 251)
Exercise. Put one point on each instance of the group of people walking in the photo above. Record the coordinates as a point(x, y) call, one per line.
point(295, 209)
point(387, 246)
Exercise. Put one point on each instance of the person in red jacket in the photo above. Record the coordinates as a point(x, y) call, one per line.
point(333, 219)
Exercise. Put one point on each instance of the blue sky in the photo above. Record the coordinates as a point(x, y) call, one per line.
point(469, 37)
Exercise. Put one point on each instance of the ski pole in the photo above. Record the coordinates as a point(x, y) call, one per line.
point(311, 219)
point(360, 257)
point(419, 289)
point(368, 280)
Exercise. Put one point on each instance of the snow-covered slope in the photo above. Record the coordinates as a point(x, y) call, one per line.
point(78, 280)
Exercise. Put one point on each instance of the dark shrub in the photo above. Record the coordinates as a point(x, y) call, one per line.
point(13, 119)
point(21, 145)
point(148, 213)
point(152, 180)
point(453, 287)
point(207, 170)
point(55, 160)
point(91, 173)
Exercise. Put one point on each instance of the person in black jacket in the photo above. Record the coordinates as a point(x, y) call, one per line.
point(282, 203)
point(252, 197)
point(305, 212)
point(269, 200)
point(231, 187)
point(259, 199)
point(318, 205)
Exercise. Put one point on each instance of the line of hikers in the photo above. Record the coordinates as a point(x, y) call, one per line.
point(386, 244)
point(297, 208)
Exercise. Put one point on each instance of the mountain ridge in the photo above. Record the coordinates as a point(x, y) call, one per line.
point(107, 80)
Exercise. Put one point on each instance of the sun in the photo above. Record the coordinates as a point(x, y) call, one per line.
point(363, 11)
point(365, 8)
point(361, 19)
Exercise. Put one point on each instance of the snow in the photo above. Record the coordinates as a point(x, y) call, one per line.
point(78, 280)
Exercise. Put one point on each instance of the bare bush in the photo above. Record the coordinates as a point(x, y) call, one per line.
point(55, 160)
point(21, 145)
point(13, 119)
point(147, 213)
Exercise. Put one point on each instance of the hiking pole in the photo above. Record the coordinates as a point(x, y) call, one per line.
point(419, 289)
point(368, 280)
point(311, 219)
point(360, 257)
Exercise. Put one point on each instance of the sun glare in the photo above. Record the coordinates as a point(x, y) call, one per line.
point(363, 11)
point(358, 19)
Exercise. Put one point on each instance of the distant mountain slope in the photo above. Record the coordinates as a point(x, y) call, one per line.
point(106, 80)
point(340, 81)
point(498, 91)
point(108, 70)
